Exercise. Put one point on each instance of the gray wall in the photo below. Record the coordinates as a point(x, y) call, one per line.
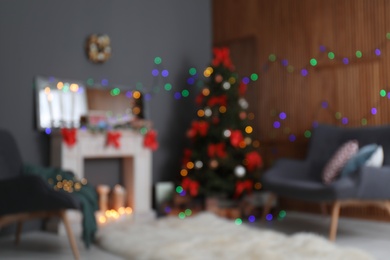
point(46, 37)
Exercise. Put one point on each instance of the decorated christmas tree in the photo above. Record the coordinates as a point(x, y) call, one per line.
point(222, 157)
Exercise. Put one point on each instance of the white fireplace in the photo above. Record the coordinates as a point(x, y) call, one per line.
point(136, 163)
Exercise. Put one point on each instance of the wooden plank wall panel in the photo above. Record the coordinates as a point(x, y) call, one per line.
point(294, 30)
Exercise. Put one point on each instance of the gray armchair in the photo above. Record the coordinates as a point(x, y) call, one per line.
point(302, 179)
point(24, 197)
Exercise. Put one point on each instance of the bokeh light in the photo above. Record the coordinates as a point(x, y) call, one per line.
point(157, 60)
point(192, 71)
point(282, 115)
point(272, 57)
point(164, 73)
point(168, 86)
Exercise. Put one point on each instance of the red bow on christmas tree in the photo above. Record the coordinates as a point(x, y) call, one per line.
point(216, 150)
point(69, 136)
point(236, 138)
point(187, 156)
point(113, 139)
point(242, 89)
point(220, 100)
point(222, 57)
point(150, 140)
point(191, 186)
point(241, 186)
point(199, 99)
point(253, 160)
point(200, 127)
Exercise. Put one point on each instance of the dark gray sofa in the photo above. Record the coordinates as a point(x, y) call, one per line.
point(301, 179)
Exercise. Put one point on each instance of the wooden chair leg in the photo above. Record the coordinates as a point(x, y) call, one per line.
point(18, 232)
point(69, 232)
point(268, 205)
point(335, 219)
point(387, 206)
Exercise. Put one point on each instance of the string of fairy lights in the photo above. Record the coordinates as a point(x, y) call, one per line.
point(195, 81)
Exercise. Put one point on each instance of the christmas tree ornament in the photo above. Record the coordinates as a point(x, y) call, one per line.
point(226, 85)
point(213, 164)
point(242, 115)
point(239, 171)
point(248, 140)
point(227, 133)
point(198, 164)
point(208, 112)
point(243, 103)
point(218, 78)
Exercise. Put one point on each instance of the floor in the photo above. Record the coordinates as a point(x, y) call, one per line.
point(373, 237)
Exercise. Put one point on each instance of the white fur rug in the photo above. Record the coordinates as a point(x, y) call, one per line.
point(207, 237)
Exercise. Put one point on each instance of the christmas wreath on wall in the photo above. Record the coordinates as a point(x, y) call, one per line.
point(98, 48)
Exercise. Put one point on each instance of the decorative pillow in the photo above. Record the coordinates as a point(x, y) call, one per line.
point(338, 160)
point(359, 159)
point(376, 159)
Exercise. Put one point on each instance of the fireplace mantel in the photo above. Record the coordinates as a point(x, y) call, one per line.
point(136, 160)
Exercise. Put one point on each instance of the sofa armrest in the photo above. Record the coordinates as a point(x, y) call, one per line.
point(373, 183)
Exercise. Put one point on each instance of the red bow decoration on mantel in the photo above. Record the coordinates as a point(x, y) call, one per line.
point(69, 136)
point(216, 150)
point(150, 140)
point(191, 186)
point(222, 56)
point(113, 139)
point(241, 186)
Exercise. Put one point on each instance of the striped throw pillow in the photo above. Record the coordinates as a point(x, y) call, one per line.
point(338, 160)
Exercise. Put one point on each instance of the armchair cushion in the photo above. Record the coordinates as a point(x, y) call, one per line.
point(359, 159)
point(376, 159)
point(338, 160)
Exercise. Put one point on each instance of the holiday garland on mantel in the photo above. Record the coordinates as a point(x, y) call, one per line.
point(112, 137)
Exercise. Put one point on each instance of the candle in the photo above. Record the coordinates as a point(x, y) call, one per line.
point(49, 100)
point(73, 88)
point(118, 197)
point(103, 191)
point(60, 85)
